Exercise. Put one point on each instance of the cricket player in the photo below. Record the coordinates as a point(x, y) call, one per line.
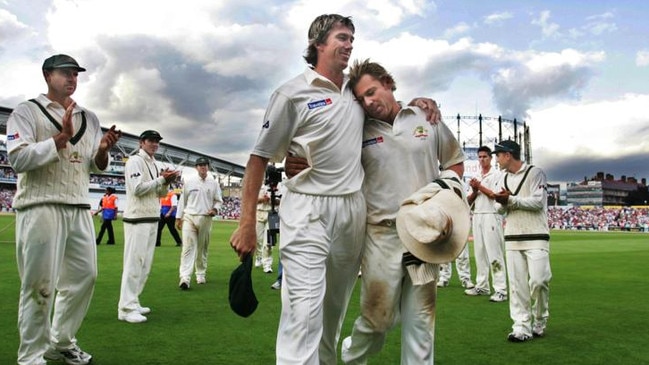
point(323, 211)
point(145, 184)
point(488, 237)
point(53, 144)
point(264, 252)
point(401, 153)
point(523, 197)
point(199, 202)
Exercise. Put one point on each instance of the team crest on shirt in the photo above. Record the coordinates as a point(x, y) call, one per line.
point(319, 103)
point(372, 141)
point(75, 157)
point(420, 132)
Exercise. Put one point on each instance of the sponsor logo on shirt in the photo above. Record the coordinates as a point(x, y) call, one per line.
point(372, 141)
point(13, 137)
point(319, 103)
point(135, 175)
point(420, 132)
point(266, 125)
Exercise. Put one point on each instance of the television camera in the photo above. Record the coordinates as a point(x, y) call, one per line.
point(273, 178)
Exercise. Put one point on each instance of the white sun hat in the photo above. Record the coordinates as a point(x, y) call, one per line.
point(434, 223)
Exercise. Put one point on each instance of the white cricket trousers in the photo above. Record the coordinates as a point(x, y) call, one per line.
point(55, 250)
point(196, 241)
point(264, 250)
point(462, 266)
point(387, 296)
point(139, 246)
point(321, 239)
point(488, 249)
point(529, 288)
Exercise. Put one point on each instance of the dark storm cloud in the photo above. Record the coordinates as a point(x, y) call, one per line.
point(518, 88)
point(193, 92)
point(572, 168)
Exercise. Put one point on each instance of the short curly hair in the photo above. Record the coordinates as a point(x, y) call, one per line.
point(319, 31)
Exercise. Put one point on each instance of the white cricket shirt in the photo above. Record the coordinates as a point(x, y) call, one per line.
point(310, 117)
point(490, 180)
point(402, 158)
point(45, 175)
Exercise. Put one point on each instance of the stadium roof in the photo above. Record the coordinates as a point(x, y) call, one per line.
point(175, 155)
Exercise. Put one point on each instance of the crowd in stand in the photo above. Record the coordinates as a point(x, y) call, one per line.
point(568, 218)
point(6, 199)
point(7, 173)
point(231, 207)
point(599, 218)
point(114, 181)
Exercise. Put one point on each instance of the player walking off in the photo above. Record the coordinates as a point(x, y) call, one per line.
point(523, 196)
point(53, 145)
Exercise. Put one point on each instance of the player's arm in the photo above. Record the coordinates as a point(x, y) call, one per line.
point(180, 208)
point(108, 140)
point(478, 186)
point(217, 200)
point(134, 171)
point(25, 153)
point(428, 106)
point(244, 238)
point(293, 165)
point(537, 197)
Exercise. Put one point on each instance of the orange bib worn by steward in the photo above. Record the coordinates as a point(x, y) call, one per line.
point(109, 207)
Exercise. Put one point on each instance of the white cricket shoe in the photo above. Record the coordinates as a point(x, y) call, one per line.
point(468, 284)
point(538, 330)
point(131, 317)
point(71, 356)
point(475, 291)
point(184, 284)
point(498, 297)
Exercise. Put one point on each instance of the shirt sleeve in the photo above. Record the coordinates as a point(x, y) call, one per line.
point(218, 198)
point(134, 171)
point(278, 128)
point(25, 152)
point(449, 150)
point(182, 201)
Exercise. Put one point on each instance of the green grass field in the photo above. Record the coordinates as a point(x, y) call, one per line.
point(599, 310)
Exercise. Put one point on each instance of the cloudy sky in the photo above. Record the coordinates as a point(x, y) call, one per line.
point(201, 71)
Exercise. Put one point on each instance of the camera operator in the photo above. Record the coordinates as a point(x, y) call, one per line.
point(267, 218)
point(263, 254)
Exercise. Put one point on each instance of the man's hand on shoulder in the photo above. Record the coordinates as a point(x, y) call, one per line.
point(429, 106)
